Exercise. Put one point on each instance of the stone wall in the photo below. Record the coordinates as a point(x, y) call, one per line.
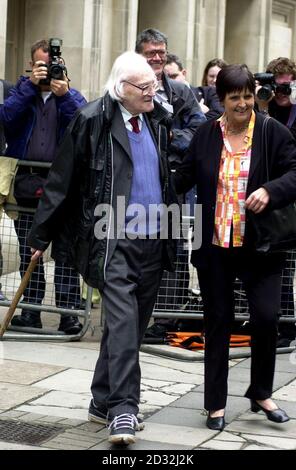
point(96, 31)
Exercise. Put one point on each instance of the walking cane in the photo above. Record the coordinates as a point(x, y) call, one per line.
point(17, 296)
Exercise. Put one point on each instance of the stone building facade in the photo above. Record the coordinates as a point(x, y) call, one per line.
point(96, 31)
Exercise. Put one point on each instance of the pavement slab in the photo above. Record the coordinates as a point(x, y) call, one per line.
point(26, 373)
point(275, 442)
point(49, 383)
point(68, 381)
point(12, 395)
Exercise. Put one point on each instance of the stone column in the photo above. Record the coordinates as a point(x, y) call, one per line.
point(247, 32)
point(3, 18)
point(110, 28)
point(195, 29)
point(209, 26)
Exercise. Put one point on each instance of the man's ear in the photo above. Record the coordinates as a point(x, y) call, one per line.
point(184, 72)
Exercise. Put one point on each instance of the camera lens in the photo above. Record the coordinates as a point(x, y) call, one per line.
point(57, 72)
point(265, 93)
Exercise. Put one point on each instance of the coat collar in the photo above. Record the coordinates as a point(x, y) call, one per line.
point(118, 131)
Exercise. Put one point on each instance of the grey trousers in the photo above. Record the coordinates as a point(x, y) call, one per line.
point(132, 281)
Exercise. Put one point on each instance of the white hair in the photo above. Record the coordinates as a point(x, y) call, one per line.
point(126, 66)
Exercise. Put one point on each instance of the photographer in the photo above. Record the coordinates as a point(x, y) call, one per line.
point(277, 92)
point(35, 118)
point(278, 103)
point(5, 88)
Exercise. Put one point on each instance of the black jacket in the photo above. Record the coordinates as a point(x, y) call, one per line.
point(201, 167)
point(211, 100)
point(281, 114)
point(186, 119)
point(94, 166)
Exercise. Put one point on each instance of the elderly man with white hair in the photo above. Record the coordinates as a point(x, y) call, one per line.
point(111, 169)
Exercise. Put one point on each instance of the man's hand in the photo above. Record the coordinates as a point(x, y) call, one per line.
point(59, 87)
point(203, 106)
point(36, 254)
point(39, 72)
point(258, 200)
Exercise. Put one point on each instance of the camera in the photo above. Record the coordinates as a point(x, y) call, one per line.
point(55, 68)
point(269, 85)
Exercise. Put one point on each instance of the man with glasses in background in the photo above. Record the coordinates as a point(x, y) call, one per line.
point(186, 116)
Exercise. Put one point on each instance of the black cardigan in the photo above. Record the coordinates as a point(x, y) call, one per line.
point(201, 167)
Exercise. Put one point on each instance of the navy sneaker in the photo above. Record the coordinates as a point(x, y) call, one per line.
point(123, 429)
point(99, 415)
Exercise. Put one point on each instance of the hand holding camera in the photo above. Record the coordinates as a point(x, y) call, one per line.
point(269, 88)
point(59, 87)
point(39, 72)
point(54, 73)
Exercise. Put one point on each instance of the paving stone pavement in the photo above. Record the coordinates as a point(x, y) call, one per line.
point(48, 384)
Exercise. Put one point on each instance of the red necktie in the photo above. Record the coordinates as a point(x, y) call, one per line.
point(135, 124)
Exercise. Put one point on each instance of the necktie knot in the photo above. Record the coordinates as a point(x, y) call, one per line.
point(135, 124)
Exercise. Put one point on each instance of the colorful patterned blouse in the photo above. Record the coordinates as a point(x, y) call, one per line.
point(231, 191)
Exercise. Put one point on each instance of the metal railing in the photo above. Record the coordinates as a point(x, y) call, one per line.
point(54, 288)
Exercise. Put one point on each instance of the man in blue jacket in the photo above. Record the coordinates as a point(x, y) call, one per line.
point(5, 87)
point(35, 118)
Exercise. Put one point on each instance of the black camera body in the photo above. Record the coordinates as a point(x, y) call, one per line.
point(269, 85)
point(55, 68)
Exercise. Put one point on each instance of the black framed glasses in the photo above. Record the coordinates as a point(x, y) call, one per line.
point(150, 54)
point(145, 89)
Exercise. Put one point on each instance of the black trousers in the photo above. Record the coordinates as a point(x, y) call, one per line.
point(261, 276)
point(66, 279)
point(132, 280)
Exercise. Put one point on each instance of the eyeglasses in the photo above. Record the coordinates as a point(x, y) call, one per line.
point(150, 54)
point(145, 89)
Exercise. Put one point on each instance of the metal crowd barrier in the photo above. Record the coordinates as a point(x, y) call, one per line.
point(10, 280)
point(179, 298)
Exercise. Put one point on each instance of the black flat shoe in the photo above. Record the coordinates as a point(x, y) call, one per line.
point(217, 423)
point(277, 416)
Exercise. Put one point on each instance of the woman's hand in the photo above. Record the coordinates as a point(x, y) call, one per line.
point(36, 254)
point(257, 201)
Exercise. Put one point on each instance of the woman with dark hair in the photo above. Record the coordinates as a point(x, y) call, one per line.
point(226, 161)
point(211, 71)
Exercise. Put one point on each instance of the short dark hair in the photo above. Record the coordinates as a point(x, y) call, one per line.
point(234, 77)
point(150, 35)
point(212, 63)
point(174, 59)
point(282, 65)
point(40, 44)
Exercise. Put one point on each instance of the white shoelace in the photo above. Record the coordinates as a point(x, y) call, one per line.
point(124, 421)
